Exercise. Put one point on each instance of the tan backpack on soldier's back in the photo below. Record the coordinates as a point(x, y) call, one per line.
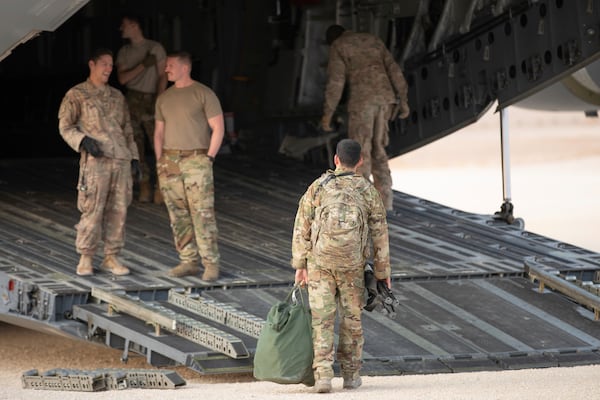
point(339, 229)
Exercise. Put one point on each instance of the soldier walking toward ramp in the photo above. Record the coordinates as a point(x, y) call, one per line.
point(141, 68)
point(189, 132)
point(94, 120)
point(335, 218)
point(376, 83)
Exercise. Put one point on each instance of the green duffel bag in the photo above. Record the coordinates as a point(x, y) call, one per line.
point(284, 352)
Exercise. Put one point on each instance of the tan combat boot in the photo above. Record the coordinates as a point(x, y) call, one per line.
point(145, 192)
point(352, 380)
point(84, 268)
point(112, 264)
point(211, 272)
point(185, 268)
point(323, 385)
point(322, 382)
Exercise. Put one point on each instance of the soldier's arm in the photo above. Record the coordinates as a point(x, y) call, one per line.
point(378, 228)
point(336, 78)
point(159, 138)
point(217, 126)
point(301, 276)
point(128, 132)
point(162, 76)
point(68, 121)
point(395, 74)
point(126, 74)
point(161, 62)
point(301, 245)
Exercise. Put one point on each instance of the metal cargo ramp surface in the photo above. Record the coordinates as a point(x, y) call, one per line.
point(466, 302)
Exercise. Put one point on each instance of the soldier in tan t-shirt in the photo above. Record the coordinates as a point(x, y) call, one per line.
point(188, 134)
point(141, 68)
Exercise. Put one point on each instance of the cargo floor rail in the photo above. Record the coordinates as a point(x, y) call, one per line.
point(551, 277)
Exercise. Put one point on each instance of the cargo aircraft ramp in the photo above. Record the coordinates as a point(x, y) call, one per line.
point(475, 294)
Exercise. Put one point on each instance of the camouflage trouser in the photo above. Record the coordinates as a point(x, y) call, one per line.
point(186, 182)
point(369, 127)
point(141, 109)
point(330, 289)
point(104, 193)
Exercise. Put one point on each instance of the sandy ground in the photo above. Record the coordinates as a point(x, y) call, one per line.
point(554, 172)
point(555, 185)
point(23, 349)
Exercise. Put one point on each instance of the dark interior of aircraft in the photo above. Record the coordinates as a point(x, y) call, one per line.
point(266, 60)
point(243, 50)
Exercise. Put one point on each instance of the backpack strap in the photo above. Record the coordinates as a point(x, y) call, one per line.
point(333, 175)
point(329, 177)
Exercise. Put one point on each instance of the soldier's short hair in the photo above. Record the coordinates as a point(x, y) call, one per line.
point(348, 151)
point(333, 32)
point(183, 56)
point(130, 16)
point(102, 51)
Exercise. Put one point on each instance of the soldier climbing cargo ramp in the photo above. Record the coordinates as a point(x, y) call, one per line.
point(474, 293)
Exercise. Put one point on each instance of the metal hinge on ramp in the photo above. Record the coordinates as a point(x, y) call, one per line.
point(181, 333)
point(163, 318)
point(222, 313)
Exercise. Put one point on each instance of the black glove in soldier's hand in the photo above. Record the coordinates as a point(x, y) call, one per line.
point(378, 295)
point(136, 171)
point(91, 146)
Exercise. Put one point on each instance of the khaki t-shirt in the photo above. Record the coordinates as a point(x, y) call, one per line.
point(185, 112)
point(130, 55)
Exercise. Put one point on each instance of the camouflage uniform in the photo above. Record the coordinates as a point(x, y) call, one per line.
point(375, 82)
point(330, 284)
point(105, 183)
point(185, 172)
point(141, 96)
point(186, 181)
